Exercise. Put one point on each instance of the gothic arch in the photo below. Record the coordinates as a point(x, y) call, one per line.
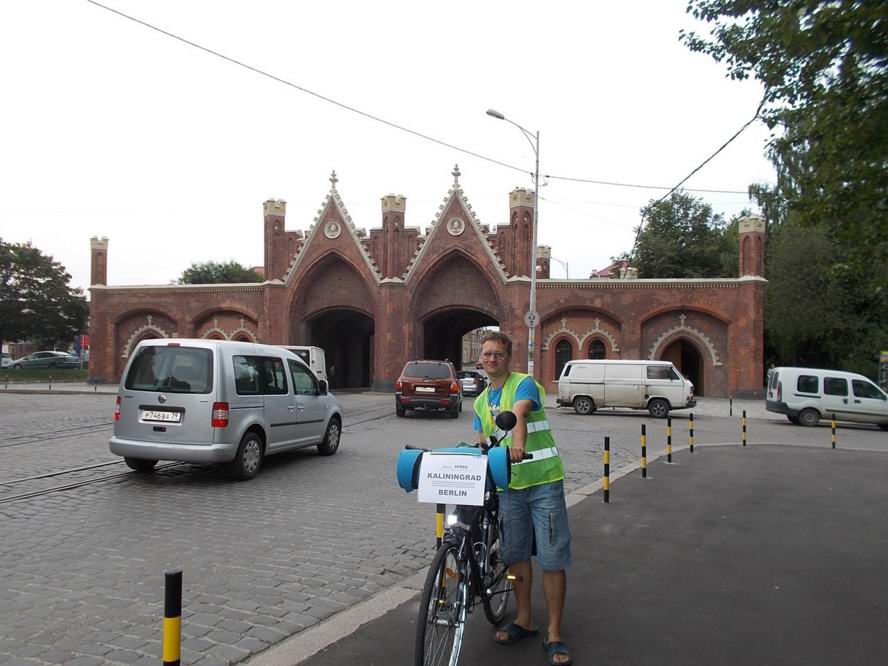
point(143, 333)
point(331, 282)
point(582, 337)
point(694, 335)
point(457, 269)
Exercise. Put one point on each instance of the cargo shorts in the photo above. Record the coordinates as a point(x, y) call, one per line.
point(533, 522)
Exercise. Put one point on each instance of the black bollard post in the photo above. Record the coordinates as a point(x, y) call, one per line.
point(730, 406)
point(691, 432)
point(644, 451)
point(669, 439)
point(744, 427)
point(439, 524)
point(834, 431)
point(50, 382)
point(605, 482)
point(172, 618)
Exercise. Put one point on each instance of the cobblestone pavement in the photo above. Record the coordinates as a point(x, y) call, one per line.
point(81, 570)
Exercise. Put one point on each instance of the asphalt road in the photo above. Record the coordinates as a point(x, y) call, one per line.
point(82, 558)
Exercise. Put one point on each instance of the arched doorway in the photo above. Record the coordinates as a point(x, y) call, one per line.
point(442, 335)
point(346, 336)
point(687, 358)
point(563, 354)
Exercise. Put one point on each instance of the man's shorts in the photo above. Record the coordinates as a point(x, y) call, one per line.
point(533, 521)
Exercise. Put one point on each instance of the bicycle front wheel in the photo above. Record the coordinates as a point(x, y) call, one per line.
point(442, 610)
point(497, 588)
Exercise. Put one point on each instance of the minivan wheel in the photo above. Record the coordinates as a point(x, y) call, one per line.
point(140, 464)
point(658, 408)
point(248, 459)
point(793, 419)
point(809, 417)
point(583, 405)
point(400, 411)
point(331, 439)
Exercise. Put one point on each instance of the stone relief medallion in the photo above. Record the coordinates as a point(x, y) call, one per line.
point(456, 226)
point(332, 229)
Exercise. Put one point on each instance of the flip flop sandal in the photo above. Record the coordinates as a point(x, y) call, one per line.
point(515, 633)
point(557, 647)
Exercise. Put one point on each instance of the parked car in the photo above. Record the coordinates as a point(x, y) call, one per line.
point(6, 360)
point(428, 385)
point(653, 385)
point(46, 359)
point(807, 395)
point(471, 382)
point(220, 401)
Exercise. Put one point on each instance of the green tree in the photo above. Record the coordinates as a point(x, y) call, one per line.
point(683, 238)
point(36, 301)
point(213, 272)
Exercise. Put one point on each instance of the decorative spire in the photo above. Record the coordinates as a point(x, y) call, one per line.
point(455, 173)
point(333, 179)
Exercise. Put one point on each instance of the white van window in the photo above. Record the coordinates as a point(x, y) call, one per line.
point(661, 372)
point(773, 374)
point(587, 371)
point(172, 369)
point(246, 375)
point(809, 384)
point(864, 389)
point(566, 372)
point(303, 381)
point(835, 386)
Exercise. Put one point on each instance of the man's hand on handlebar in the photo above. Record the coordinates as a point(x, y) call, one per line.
point(516, 454)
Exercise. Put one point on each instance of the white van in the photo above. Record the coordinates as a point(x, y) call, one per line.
point(807, 395)
point(313, 357)
point(653, 385)
point(220, 401)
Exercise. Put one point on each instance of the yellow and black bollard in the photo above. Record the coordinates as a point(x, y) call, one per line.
point(834, 431)
point(644, 451)
point(172, 618)
point(743, 421)
point(669, 439)
point(605, 482)
point(691, 431)
point(439, 524)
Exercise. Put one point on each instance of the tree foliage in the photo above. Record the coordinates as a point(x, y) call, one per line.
point(824, 68)
point(214, 272)
point(683, 238)
point(36, 301)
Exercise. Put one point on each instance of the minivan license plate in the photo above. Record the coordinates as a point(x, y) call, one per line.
point(425, 389)
point(159, 415)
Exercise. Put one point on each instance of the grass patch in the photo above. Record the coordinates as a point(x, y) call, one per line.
point(41, 375)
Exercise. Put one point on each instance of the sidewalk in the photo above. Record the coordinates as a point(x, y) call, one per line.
point(763, 555)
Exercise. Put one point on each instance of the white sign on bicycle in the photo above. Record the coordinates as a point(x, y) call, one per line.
point(451, 478)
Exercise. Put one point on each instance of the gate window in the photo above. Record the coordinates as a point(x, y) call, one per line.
point(563, 354)
point(596, 349)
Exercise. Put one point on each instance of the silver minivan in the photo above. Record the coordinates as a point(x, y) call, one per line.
point(218, 401)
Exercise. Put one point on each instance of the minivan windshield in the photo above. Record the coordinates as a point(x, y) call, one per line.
point(427, 370)
point(171, 369)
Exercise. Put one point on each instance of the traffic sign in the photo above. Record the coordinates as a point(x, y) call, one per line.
point(531, 318)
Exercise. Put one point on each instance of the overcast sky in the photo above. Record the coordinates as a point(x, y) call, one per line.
point(110, 128)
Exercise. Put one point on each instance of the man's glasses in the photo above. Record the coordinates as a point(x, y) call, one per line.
point(497, 355)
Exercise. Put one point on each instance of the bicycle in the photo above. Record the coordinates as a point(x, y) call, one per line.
point(466, 568)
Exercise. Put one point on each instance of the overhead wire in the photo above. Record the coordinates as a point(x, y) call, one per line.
point(408, 130)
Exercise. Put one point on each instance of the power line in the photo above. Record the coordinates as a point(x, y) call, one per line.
point(402, 128)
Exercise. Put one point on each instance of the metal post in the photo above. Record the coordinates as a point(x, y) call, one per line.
point(669, 439)
point(439, 524)
point(172, 618)
point(605, 482)
point(644, 452)
point(531, 328)
point(834, 431)
point(730, 406)
point(50, 381)
point(744, 427)
point(691, 432)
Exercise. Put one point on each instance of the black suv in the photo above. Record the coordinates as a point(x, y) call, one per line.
point(428, 385)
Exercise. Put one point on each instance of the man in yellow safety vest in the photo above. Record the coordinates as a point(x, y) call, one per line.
point(533, 513)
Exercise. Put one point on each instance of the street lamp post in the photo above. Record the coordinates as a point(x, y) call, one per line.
point(563, 263)
point(531, 318)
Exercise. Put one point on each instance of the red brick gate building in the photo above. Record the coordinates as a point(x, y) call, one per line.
point(374, 301)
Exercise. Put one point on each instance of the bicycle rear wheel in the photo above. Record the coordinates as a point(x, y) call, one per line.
point(497, 589)
point(442, 610)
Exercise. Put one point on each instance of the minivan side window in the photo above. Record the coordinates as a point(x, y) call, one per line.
point(810, 384)
point(835, 386)
point(864, 389)
point(246, 375)
point(303, 381)
point(274, 377)
point(660, 372)
point(171, 369)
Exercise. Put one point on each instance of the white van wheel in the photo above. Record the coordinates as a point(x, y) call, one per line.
point(583, 405)
point(248, 459)
point(140, 464)
point(809, 417)
point(331, 440)
point(658, 408)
